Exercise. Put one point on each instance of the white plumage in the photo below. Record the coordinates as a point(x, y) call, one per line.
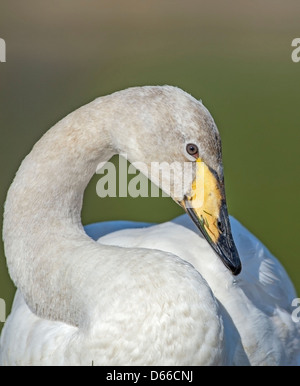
point(258, 300)
point(145, 295)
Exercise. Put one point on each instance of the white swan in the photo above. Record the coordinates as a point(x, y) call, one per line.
point(153, 295)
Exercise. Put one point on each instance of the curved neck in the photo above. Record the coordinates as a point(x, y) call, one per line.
point(48, 253)
point(57, 267)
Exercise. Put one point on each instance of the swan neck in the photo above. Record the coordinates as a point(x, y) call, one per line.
point(46, 247)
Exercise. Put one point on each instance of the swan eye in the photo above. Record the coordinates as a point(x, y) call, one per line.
point(192, 150)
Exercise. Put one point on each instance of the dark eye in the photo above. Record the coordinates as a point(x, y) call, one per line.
point(192, 150)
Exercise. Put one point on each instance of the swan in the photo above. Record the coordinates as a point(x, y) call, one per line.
point(122, 293)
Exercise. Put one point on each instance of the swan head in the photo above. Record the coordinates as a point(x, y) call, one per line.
point(175, 142)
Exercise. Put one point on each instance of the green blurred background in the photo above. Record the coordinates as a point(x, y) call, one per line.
point(235, 55)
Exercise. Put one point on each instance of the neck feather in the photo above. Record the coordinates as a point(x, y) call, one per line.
point(45, 244)
point(57, 267)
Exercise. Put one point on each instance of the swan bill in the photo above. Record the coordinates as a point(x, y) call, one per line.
point(206, 205)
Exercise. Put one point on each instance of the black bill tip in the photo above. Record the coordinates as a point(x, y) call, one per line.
point(228, 253)
point(224, 246)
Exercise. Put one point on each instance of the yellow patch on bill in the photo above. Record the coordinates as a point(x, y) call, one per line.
point(206, 199)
